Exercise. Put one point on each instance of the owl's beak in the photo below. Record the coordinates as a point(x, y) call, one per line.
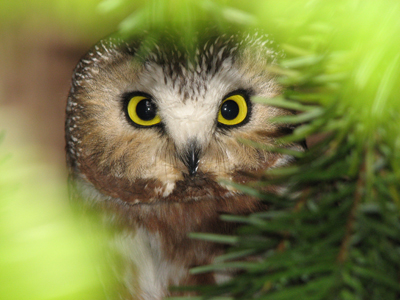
point(191, 157)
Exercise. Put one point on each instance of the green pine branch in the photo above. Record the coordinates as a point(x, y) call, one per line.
point(335, 233)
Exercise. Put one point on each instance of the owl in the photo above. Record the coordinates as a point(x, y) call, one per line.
point(155, 132)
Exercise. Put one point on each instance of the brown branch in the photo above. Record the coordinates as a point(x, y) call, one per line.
point(342, 256)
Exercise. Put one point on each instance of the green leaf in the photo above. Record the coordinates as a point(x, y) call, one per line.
point(234, 255)
point(218, 238)
point(223, 267)
point(381, 278)
point(300, 118)
point(301, 61)
point(308, 290)
point(280, 101)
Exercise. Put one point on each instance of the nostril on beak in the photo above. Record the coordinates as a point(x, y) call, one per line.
point(193, 162)
point(192, 157)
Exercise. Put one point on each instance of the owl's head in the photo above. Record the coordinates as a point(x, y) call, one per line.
point(153, 123)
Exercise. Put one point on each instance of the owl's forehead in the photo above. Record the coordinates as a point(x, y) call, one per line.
point(189, 75)
point(209, 70)
point(187, 84)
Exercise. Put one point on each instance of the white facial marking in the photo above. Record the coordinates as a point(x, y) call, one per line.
point(192, 120)
point(168, 188)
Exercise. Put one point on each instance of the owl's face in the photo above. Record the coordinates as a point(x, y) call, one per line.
point(165, 128)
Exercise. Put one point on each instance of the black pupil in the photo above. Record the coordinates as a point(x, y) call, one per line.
point(146, 110)
point(230, 109)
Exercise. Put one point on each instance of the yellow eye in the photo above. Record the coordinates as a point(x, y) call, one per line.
point(233, 110)
point(142, 111)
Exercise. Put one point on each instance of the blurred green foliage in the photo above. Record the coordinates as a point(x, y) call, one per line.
point(78, 20)
point(45, 251)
